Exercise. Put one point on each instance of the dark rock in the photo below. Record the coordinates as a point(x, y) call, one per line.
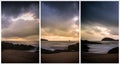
point(114, 50)
point(108, 39)
point(89, 42)
point(74, 47)
point(7, 45)
point(84, 48)
point(84, 45)
point(44, 40)
point(37, 50)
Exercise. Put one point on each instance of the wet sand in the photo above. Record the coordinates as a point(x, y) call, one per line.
point(62, 57)
point(17, 56)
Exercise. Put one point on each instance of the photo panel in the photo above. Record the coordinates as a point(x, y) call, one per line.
point(20, 31)
point(99, 32)
point(60, 32)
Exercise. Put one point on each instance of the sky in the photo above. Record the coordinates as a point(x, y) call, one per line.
point(99, 20)
point(60, 21)
point(20, 21)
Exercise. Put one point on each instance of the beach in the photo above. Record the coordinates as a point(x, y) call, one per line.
point(99, 58)
point(62, 57)
point(19, 56)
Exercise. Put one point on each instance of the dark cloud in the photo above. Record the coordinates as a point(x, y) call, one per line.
point(5, 21)
point(56, 13)
point(57, 19)
point(20, 20)
point(105, 13)
point(64, 7)
point(13, 8)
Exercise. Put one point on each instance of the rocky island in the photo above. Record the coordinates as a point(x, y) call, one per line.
point(108, 39)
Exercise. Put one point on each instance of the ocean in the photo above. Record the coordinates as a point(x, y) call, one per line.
point(102, 48)
point(62, 45)
point(56, 45)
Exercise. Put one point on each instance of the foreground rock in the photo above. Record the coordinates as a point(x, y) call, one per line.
point(89, 42)
point(84, 45)
point(44, 40)
point(74, 47)
point(114, 50)
point(7, 45)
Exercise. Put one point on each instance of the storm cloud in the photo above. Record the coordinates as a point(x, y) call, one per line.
point(20, 20)
point(100, 16)
point(59, 18)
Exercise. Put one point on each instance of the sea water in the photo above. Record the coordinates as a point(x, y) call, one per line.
point(102, 48)
point(56, 45)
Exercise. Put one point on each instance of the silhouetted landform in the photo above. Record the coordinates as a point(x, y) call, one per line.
point(74, 47)
point(37, 50)
point(114, 50)
point(71, 48)
point(44, 40)
point(6, 45)
point(89, 42)
point(84, 45)
point(84, 48)
point(108, 39)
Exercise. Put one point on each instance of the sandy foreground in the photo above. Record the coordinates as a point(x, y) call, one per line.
point(17, 56)
point(99, 58)
point(62, 57)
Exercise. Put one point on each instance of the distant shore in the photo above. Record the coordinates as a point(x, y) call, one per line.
point(19, 56)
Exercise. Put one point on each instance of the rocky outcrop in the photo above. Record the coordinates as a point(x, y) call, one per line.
point(108, 39)
point(114, 50)
point(7, 45)
point(44, 40)
point(89, 42)
point(74, 47)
